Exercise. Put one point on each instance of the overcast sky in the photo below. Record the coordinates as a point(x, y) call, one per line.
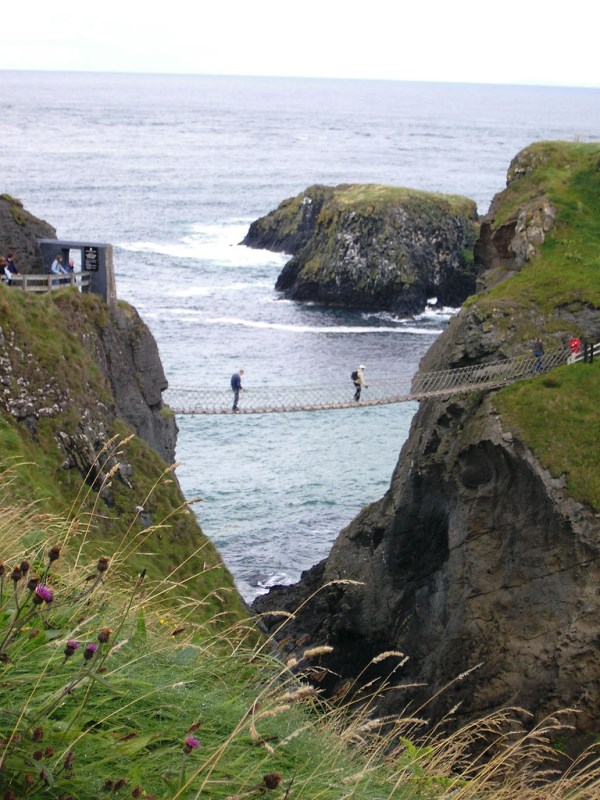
point(509, 41)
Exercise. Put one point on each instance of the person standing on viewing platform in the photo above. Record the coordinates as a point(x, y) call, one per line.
point(10, 269)
point(58, 267)
point(236, 387)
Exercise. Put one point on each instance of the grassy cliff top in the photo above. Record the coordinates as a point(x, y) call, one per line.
point(361, 195)
point(566, 273)
point(556, 295)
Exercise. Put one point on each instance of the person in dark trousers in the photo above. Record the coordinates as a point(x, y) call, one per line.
point(538, 352)
point(10, 268)
point(359, 382)
point(236, 388)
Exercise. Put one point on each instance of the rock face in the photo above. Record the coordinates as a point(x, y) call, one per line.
point(19, 231)
point(373, 247)
point(477, 563)
point(128, 353)
point(119, 340)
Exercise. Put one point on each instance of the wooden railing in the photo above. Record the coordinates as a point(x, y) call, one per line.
point(51, 282)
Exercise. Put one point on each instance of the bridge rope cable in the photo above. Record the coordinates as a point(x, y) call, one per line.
point(401, 389)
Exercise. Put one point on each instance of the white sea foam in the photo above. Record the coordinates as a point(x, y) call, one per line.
point(277, 326)
point(211, 243)
point(443, 314)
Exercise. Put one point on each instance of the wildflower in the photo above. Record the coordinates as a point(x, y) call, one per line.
point(272, 780)
point(9, 795)
point(70, 647)
point(49, 752)
point(43, 594)
point(120, 784)
point(69, 759)
point(2, 569)
point(16, 575)
point(38, 755)
point(89, 651)
point(53, 554)
point(24, 567)
point(104, 635)
point(137, 791)
point(108, 785)
point(191, 743)
point(33, 582)
point(102, 564)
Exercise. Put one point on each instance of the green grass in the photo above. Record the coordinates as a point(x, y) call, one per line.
point(557, 415)
point(566, 272)
point(554, 415)
point(361, 195)
point(118, 724)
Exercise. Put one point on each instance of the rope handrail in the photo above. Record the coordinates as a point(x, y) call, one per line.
point(401, 389)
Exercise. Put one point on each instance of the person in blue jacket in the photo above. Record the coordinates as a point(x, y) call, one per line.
point(236, 387)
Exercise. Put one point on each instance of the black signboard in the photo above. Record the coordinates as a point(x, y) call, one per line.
point(90, 259)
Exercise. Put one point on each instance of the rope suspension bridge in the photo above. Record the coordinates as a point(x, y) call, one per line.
point(443, 383)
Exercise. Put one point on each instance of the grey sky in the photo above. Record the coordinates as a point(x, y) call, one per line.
point(462, 41)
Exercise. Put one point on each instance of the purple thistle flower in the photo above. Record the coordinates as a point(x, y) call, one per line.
point(70, 647)
point(191, 743)
point(89, 651)
point(43, 593)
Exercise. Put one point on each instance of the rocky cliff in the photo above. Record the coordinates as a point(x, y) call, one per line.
point(369, 246)
point(481, 563)
point(81, 398)
point(19, 232)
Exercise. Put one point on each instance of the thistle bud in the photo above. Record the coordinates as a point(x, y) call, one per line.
point(89, 651)
point(104, 635)
point(102, 564)
point(272, 780)
point(53, 554)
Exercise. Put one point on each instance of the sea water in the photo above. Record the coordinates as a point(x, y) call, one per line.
point(172, 170)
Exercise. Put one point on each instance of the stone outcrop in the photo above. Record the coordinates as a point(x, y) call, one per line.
point(372, 247)
point(128, 353)
point(19, 232)
point(477, 564)
point(118, 340)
